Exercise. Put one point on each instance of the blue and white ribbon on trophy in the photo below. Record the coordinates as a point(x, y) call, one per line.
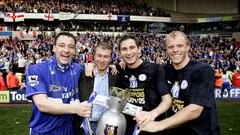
point(136, 130)
point(86, 122)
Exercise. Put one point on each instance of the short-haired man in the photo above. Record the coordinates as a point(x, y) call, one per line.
point(53, 88)
point(192, 86)
point(100, 83)
point(146, 83)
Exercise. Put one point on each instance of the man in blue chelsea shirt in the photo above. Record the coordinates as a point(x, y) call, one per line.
point(53, 88)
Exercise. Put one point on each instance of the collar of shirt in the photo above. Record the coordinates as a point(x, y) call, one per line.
point(96, 72)
point(101, 88)
point(60, 66)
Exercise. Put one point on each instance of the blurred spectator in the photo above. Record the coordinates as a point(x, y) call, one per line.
point(21, 64)
point(218, 78)
point(226, 83)
point(20, 78)
point(229, 73)
point(12, 80)
point(81, 7)
point(89, 57)
point(236, 79)
point(2, 83)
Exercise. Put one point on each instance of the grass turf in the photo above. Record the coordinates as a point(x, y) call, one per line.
point(229, 117)
point(14, 121)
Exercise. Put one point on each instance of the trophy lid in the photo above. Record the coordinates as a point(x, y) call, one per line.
point(119, 92)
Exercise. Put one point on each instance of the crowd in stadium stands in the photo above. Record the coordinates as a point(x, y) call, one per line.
point(16, 55)
point(76, 25)
point(80, 7)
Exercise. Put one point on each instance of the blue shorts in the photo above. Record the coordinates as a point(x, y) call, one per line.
point(226, 85)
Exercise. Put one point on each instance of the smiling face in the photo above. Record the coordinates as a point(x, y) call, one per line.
point(130, 53)
point(102, 58)
point(177, 49)
point(65, 49)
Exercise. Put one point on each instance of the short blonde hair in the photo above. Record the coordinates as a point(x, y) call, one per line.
point(175, 34)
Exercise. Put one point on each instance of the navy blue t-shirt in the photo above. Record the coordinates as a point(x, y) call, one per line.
point(193, 84)
point(146, 85)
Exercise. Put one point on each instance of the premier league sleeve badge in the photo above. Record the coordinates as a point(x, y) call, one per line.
point(33, 80)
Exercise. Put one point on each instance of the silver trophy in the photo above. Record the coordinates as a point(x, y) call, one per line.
point(113, 122)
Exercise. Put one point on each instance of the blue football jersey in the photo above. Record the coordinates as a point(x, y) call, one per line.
point(58, 84)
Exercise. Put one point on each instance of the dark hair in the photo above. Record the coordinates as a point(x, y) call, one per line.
point(104, 46)
point(224, 71)
point(64, 34)
point(126, 37)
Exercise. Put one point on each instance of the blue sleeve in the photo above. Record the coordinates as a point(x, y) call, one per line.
point(35, 82)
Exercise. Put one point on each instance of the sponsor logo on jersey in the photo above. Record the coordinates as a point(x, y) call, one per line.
point(54, 88)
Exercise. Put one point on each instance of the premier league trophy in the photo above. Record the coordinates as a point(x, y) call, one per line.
point(113, 122)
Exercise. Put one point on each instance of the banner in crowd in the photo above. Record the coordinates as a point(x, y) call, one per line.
point(23, 35)
point(5, 34)
point(210, 19)
point(48, 17)
point(14, 17)
point(19, 96)
point(234, 93)
point(13, 97)
point(150, 18)
point(66, 16)
point(123, 18)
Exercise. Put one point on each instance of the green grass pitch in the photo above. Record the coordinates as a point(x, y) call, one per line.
point(14, 121)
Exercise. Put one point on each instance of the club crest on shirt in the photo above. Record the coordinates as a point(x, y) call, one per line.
point(175, 90)
point(52, 72)
point(169, 82)
point(133, 82)
point(142, 77)
point(184, 84)
point(33, 80)
point(110, 130)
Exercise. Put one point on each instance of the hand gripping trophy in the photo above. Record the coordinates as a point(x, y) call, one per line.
point(113, 122)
